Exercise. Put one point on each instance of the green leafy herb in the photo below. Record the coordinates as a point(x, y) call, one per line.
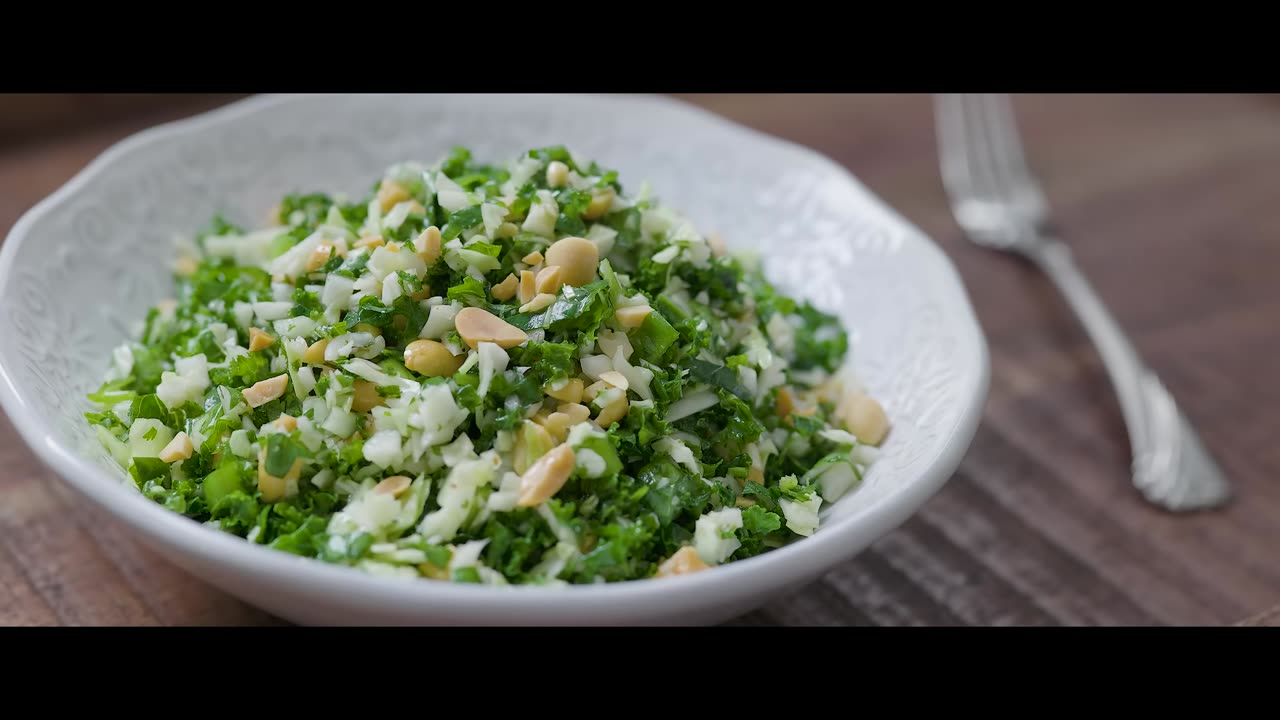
point(717, 375)
point(461, 220)
point(586, 307)
point(282, 452)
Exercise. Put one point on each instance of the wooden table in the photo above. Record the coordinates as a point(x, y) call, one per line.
point(1170, 203)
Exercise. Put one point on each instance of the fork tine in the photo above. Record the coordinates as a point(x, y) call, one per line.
point(988, 176)
point(970, 167)
point(1003, 129)
point(952, 144)
point(1005, 123)
point(993, 202)
point(1018, 186)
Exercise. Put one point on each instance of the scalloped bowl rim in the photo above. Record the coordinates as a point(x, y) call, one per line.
point(772, 570)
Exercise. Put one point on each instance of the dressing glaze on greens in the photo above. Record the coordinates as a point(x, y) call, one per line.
point(513, 373)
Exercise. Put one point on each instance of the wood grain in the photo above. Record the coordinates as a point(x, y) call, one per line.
point(1168, 204)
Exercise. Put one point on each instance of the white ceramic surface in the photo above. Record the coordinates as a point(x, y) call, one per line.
point(80, 268)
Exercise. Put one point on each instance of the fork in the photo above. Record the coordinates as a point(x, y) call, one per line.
point(998, 204)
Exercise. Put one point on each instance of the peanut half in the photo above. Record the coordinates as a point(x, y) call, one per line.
point(393, 486)
point(431, 358)
point(578, 259)
point(682, 562)
point(260, 340)
point(267, 390)
point(476, 326)
point(864, 418)
point(545, 477)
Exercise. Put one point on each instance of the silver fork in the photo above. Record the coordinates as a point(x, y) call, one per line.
point(998, 204)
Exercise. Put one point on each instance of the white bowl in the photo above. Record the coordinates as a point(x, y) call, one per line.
point(81, 267)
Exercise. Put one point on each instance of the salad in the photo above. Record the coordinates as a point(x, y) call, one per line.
point(509, 373)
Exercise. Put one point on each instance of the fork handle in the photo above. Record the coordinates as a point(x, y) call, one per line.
point(1171, 467)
